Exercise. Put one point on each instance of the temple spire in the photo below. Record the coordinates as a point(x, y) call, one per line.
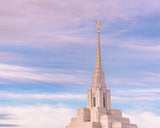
point(98, 53)
point(99, 113)
point(98, 79)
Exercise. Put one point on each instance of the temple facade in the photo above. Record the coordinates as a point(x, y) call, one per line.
point(99, 113)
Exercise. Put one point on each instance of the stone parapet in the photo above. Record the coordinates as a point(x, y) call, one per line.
point(115, 112)
point(83, 115)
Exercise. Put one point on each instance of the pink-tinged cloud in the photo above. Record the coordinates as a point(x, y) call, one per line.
point(50, 23)
point(27, 74)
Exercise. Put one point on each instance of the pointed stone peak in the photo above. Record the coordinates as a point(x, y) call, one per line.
point(98, 53)
point(98, 79)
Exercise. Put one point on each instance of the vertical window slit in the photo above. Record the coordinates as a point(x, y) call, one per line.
point(94, 101)
point(104, 102)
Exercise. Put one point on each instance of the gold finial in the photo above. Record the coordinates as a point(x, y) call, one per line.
point(98, 25)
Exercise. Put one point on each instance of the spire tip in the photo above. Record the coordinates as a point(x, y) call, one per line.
point(98, 25)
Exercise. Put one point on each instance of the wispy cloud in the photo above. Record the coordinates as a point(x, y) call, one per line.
point(141, 79)
point(8, 125)
point(145, 45)
point(150, 94)
point(52, 23)
point(125, 81)
point(42, 96)
point(28, 74)
point(54, 116)
point(7, 117)
point(143, 119)
point(38, 116)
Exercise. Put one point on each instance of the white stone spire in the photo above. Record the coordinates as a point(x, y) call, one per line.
point(98, 53)
point(98, 79)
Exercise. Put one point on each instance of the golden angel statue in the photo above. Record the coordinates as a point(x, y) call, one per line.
point(98, 25)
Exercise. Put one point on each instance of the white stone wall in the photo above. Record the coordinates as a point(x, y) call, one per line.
point(83, 115)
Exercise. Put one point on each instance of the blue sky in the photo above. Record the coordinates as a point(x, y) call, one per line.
point(47, 57)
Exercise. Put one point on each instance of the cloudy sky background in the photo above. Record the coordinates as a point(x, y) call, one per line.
point(47, 56)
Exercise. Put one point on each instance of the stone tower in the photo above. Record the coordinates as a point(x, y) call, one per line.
point(98, 113)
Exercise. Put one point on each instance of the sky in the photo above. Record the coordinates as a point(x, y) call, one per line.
point(47, 57)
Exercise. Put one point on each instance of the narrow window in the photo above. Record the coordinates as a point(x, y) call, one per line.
point(94, 101)
point(104, 102)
